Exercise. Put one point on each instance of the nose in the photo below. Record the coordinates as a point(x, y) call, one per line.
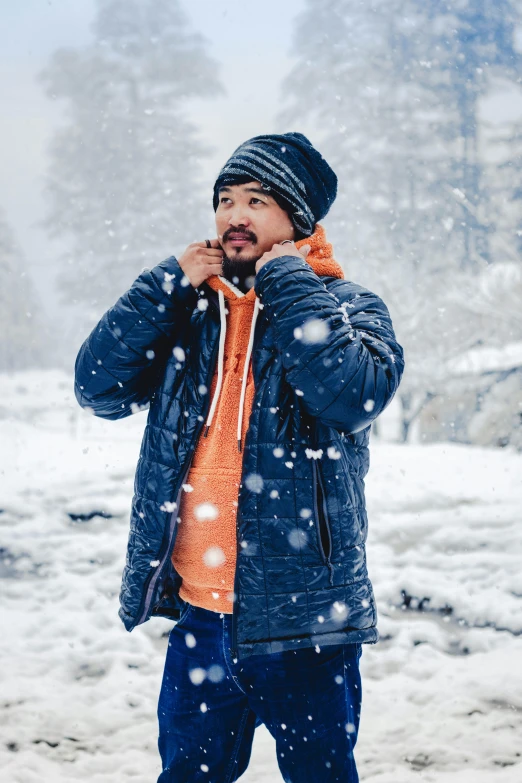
point(238, 217)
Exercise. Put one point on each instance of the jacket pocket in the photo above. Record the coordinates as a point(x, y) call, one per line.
point(324, 535)
point(184, 611)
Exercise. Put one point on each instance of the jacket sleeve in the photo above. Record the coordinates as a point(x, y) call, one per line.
point(339, 350)
point(118, 363)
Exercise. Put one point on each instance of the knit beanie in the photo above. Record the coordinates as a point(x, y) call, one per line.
point(291, 170)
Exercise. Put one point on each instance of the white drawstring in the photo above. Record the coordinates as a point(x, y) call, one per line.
point(245, 372)
point(221, 350)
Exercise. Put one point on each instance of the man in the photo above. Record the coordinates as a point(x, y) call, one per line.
point(263, 369)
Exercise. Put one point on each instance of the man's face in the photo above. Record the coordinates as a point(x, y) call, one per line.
point(249, 222)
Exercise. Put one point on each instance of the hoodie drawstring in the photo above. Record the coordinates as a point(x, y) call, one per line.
point(245, 372)
point(221, 351)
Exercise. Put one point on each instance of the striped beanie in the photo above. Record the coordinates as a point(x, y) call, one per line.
point(289, 166)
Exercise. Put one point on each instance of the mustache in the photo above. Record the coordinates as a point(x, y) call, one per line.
point(248, 234)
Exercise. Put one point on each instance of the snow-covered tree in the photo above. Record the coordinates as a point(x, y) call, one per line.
point(465, 46)
point(392, 88)
point(509, 188)
point(124, 181)
point(21, 338)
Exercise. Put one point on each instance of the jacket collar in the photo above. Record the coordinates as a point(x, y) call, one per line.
point(320, 259)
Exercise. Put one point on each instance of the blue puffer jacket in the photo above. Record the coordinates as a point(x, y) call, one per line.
point(301, 578)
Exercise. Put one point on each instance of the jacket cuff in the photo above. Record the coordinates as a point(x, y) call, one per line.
point(172, 280)
point(278, 267)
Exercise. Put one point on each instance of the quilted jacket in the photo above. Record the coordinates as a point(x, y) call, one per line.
point(301, 577)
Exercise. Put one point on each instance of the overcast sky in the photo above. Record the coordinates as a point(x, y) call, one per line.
point(250, 39)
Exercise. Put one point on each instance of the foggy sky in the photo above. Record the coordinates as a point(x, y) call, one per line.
point(250, 40)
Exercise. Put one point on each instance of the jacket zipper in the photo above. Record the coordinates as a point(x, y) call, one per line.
point(233, 622)
point(322, 520)
point(153, 578)
point(233, 629)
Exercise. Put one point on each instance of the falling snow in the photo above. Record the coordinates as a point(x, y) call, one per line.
point(206, 512)
point(443, 523)
point(214, 557)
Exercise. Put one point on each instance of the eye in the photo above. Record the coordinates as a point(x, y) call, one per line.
point(224, 198)
point(258, 199)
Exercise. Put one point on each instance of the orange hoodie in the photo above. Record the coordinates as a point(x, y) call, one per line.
point(204, 552)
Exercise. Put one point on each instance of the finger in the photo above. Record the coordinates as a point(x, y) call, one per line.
point(304, 250)
point(215, 243)
point(210, 253)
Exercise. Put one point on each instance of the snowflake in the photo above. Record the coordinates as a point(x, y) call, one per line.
point(197, 675)
point(206, 512)
point(215, 673)
point(190, 640)
point(214, 557)
point(339, 611)
point(342, 309)
point(168, 506)
point(315, 331)
point(333, 453)
point(254, 482)
point(298, 539)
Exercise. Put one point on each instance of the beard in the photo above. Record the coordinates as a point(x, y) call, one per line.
point(240, 271)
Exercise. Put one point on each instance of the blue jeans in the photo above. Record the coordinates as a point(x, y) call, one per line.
point(209, 706)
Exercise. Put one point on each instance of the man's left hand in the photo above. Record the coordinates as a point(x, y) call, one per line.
point(278, 250)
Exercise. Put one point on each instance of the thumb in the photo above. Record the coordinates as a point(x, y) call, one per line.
point(304, 250)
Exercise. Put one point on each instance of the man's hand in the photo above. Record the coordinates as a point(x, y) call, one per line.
point(279, 250)
point(199, 261)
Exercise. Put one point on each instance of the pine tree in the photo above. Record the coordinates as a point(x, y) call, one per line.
point(509, 190)
point(124, 181)
point(353, 84)
point(465, 45)
point(391, 90)
point(21, 337)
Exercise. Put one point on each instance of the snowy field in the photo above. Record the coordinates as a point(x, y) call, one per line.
point(442, 691)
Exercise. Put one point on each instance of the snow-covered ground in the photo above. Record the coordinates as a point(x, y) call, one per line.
point(442, 691)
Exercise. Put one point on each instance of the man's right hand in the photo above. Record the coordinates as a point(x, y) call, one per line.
point(199, 261)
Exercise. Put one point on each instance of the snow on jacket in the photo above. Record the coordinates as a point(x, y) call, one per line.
point(205, 545)
point(325, 363)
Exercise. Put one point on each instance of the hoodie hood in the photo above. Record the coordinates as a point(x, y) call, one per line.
point(320, 259)
point(322, 262)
